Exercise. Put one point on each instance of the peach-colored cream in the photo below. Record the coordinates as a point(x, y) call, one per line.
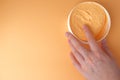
point(92, 14)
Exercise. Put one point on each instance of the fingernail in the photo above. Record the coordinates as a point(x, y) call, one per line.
point(84, 27)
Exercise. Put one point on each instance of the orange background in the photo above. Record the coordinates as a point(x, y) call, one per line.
point(32, 41)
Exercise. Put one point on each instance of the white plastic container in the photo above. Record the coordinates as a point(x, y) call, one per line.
point(107, 27)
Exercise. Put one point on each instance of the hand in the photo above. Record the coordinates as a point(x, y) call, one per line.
point(96, 63)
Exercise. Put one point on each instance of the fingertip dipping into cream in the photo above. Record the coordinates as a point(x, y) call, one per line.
point(91, 15)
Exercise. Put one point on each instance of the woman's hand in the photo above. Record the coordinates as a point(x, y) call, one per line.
point(96, 63)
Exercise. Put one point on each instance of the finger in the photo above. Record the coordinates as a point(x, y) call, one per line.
point(105, 48)
point(91, 40)
point(80, 58)
point(76, 63)
point(77, 45)
point(77, 55)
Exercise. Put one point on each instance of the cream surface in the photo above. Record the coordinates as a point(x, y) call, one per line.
point(92, 14)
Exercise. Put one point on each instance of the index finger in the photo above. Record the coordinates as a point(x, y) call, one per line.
point(91, 40)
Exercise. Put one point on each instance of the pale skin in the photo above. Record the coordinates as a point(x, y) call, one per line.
point(95, 63)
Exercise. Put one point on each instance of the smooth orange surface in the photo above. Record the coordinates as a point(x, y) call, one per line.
point(32, 41)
